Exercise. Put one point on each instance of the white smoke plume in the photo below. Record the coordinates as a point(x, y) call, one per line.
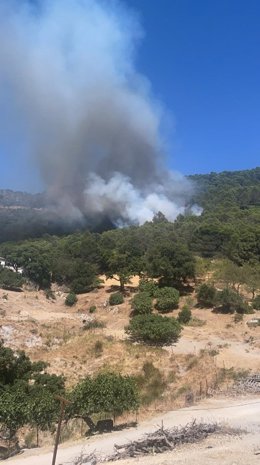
point(88, 118)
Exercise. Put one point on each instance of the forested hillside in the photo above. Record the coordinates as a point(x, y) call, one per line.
point(230, 223)
point(229, 227)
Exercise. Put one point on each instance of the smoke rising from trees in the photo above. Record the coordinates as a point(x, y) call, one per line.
point(88, 118)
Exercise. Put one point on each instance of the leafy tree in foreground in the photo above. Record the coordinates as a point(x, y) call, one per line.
point(13, 409)
point(154, 329)
point(42, 409)
point(106, 392)
point(16, 366)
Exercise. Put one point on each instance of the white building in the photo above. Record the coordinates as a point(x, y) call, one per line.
point(4, 264)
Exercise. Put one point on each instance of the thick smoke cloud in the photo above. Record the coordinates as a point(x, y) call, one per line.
point(90, 122)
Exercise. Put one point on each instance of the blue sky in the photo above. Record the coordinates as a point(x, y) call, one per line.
point(202, 58)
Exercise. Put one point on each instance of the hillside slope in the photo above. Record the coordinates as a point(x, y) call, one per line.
point(232, 198)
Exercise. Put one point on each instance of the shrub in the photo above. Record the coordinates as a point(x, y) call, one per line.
point(207, 295)
point(238, 317)
point(93, 324)
point(116, 298)
point(71, 299)
point(154, 329)
point(149, 287)
point(196, 322)
point(98, 348)
point(49, 294)
point(184, 316)
point(142, 303)
point(10, 280)
point(167, 299)
point(256, 302)
point(92, 309)
point(244, 308)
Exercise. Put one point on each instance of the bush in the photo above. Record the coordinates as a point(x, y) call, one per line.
point(196, 322)
point(256, 303)
point(98, 348)
point(207, 295)
point(149, 287)
point(10, 280)
point(142, 303)
point(93, 324)
point(49, 294)
point(71, 299)
point(238, 317)
point(154, 329)
point(184, 315)
point(167, 299)
point(116, 298)
point(92, 309)
point(244, 308)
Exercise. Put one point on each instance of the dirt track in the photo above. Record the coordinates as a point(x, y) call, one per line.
point(243, 413)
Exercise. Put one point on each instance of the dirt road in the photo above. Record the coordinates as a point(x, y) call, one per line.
point(243, 413)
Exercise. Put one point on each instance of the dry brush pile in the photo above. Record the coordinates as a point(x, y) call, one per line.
point(162, 440)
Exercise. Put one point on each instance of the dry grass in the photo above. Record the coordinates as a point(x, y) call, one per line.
point(75, 353)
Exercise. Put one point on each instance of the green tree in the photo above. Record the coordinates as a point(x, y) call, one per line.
point(10, 280)
point(154, 329)
point(148, 286)
point(121, 255)
point(206, 295)
point(230, 273)
point(230, 302)
point(42, 409)
point(13, 409)
point(16, 366)
point(252, 278)
point(106, 392)
point(171, 262)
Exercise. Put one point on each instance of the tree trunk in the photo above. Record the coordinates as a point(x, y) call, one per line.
point(122, 285)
